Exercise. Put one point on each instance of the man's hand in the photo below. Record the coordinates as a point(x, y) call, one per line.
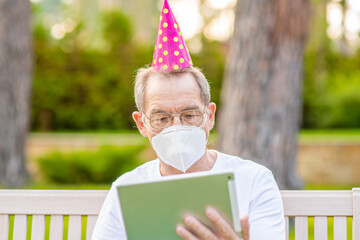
point(200, 231)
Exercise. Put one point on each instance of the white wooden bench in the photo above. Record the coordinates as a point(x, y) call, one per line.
point(323, 204)
point(76, 210)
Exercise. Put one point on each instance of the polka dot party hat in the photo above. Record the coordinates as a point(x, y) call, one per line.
point(170, 50)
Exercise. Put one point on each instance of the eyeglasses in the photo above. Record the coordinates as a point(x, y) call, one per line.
point(164, 120)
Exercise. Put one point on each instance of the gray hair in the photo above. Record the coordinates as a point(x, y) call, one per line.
point(143, 74)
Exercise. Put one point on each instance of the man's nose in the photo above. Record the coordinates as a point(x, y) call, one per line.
point(176, 120)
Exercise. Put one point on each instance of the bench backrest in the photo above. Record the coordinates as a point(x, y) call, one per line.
point(340, 205)
point(74, 213)
point(79, 209)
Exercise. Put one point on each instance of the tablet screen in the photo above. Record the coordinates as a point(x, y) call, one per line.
point(152, 210)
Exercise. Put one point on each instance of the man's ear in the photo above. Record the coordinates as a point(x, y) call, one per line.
point(212, 109)
point(137, 116)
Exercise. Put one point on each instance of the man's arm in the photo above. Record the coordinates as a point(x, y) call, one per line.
point(109, 225)
point(266, 214)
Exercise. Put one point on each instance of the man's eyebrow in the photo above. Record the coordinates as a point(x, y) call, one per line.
point(194, 107)
point(155, 111)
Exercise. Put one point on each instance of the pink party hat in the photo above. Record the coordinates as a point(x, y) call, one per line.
point(170, 50)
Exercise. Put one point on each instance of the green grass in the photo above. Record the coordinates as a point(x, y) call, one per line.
point(88, 186)
point(316, 187)
point(135, 138)
point(99, 138)
point(330, 135)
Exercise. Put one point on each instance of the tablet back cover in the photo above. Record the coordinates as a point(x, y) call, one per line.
point(153, 210)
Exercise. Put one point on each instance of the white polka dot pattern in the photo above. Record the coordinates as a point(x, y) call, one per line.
point(171, 52)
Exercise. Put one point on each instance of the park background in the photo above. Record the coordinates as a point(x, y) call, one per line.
point(85, 56)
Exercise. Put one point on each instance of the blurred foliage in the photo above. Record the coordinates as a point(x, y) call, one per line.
point(332, 90)
point(102, 166)
point(77, 87)
point(211, 60)
point(331, 78)
point(80, 88)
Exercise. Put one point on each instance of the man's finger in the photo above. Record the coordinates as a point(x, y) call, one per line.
point(224, 228)
point(199, 229)
point(245, 227)
point(184, 233)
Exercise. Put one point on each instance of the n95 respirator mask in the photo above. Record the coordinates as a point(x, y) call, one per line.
point(180, 146)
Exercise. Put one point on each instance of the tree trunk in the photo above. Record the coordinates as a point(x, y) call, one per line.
point(261, 97)
point(15, 82)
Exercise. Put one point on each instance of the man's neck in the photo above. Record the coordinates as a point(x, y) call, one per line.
point(205, 163)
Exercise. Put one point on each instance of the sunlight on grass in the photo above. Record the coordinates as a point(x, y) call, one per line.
point(89, 186)
point(135, 138)
point(330, 136)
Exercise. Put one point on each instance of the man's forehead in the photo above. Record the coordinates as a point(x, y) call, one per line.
point(174, 84)
point(158, 109)
point(169, 77)
point(178, 93)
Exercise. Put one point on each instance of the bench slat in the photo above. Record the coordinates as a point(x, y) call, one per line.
point(301, 228)
point(52, 202)
point(320, 228)
point(287, 227)
point(74, 228)
point(38, 227)
point(340, 227)
point(58, 203)
point(91, 221)
point(20, 227)
point(316, 203)
point(356, 217)
point(4, 226)
point(56, 227)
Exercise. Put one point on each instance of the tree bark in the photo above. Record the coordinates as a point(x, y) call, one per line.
point(15, 84)
point(261, 96)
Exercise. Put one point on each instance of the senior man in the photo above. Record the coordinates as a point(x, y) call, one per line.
point(177, 103)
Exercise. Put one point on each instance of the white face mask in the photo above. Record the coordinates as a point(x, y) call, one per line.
point(180, 146)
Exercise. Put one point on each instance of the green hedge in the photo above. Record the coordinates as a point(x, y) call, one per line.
point(102, 166)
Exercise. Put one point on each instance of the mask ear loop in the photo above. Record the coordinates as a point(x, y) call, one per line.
point(143, 119)
point(207, 111)
point(206, 116)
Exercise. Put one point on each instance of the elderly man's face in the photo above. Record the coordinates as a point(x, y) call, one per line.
point(172, 96)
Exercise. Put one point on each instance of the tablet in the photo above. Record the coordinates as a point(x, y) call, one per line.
point(152, 210)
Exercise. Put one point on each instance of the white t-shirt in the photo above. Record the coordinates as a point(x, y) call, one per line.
point(257, 193)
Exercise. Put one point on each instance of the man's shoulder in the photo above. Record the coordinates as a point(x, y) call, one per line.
point(143, 172)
